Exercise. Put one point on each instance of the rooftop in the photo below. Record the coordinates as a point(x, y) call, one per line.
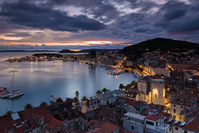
point(134, 115)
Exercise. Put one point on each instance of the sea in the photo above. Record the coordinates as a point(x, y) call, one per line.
point(40, 80)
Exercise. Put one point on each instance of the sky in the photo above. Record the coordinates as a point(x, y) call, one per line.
point(80, 24)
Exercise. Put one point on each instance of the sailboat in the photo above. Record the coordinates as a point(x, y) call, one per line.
point(14, 93)
point(4, 92)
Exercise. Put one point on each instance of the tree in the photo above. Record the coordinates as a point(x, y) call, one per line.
point(77, 94)
point(28, 106)
point(84, 98)
point(75, 100)
point(68, 99)
point(44, 104)
point(98, 92)
point(8, 112)
point(121, 86)
point(104, 90)
point(59, 100)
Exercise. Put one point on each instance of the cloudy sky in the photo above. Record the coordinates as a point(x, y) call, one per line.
point(95, 23)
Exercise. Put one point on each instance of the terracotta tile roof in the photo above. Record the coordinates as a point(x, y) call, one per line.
point(94, 123)
point(39, 112)
point(109, 127)
point(108, 113)
point(132, 102)
point(30, 115)
point(106, 127)
point(155, 117)
point(159, 108)
point(184, 98)
point(125, 131)
point(6, 121)
point(135, 103)
point(54, 123)
point(193, 125)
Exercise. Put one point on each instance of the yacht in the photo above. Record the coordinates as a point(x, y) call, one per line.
point(15, 94)
point(4, 93)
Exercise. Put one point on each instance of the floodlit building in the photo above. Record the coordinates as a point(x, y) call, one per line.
point(152, 90)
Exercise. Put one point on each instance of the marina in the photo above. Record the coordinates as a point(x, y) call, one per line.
point(39, 80)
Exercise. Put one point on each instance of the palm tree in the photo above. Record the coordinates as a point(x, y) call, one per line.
point(84, 98)
point(98, 92)
point(59, 100)
point(44, 104)
point(76, 101)
point(104, 90)
point(77, 94)
point(28, 106)
point(121, 86)
point(68, 99)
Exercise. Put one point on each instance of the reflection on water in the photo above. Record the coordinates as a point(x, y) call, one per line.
point(39, 80)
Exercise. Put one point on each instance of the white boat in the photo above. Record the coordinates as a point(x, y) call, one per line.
point(15, 94)
point(4, 93)
point(53, 98)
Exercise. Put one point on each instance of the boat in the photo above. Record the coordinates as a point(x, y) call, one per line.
point(14, 93)
point(53, 98)
point(4, 93)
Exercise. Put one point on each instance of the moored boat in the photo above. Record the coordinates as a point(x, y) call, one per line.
point(15, 94)
point(4, 93)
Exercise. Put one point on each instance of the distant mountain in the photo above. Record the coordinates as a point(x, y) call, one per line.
point(135, 51)
point(28, 51)
point(88, 50)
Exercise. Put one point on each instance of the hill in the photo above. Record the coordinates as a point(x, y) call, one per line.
point(135, 51)
point(87, 50)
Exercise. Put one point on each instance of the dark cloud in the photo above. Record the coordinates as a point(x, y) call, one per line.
point(186, 25)
point(179, 19)
point(26, 14)
point(173, 10)
point(126, 20)
point(5, 27)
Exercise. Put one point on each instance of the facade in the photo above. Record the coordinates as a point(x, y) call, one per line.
point(157, 86)
point(153, 123)
point(134, 122)
point(110, 97)
point(152, 90)
point(89, 105)
point(182, 103)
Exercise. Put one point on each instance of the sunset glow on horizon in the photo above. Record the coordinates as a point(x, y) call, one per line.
point(101, 24)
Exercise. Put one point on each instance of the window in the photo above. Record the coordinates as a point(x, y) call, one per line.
point(185, 131)
point(132, 128)
point(174, 105)
point(176, 128)
point(174, 117)
point(150, 123)
point(174, 111)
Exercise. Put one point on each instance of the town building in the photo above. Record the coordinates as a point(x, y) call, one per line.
point(152, 90)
